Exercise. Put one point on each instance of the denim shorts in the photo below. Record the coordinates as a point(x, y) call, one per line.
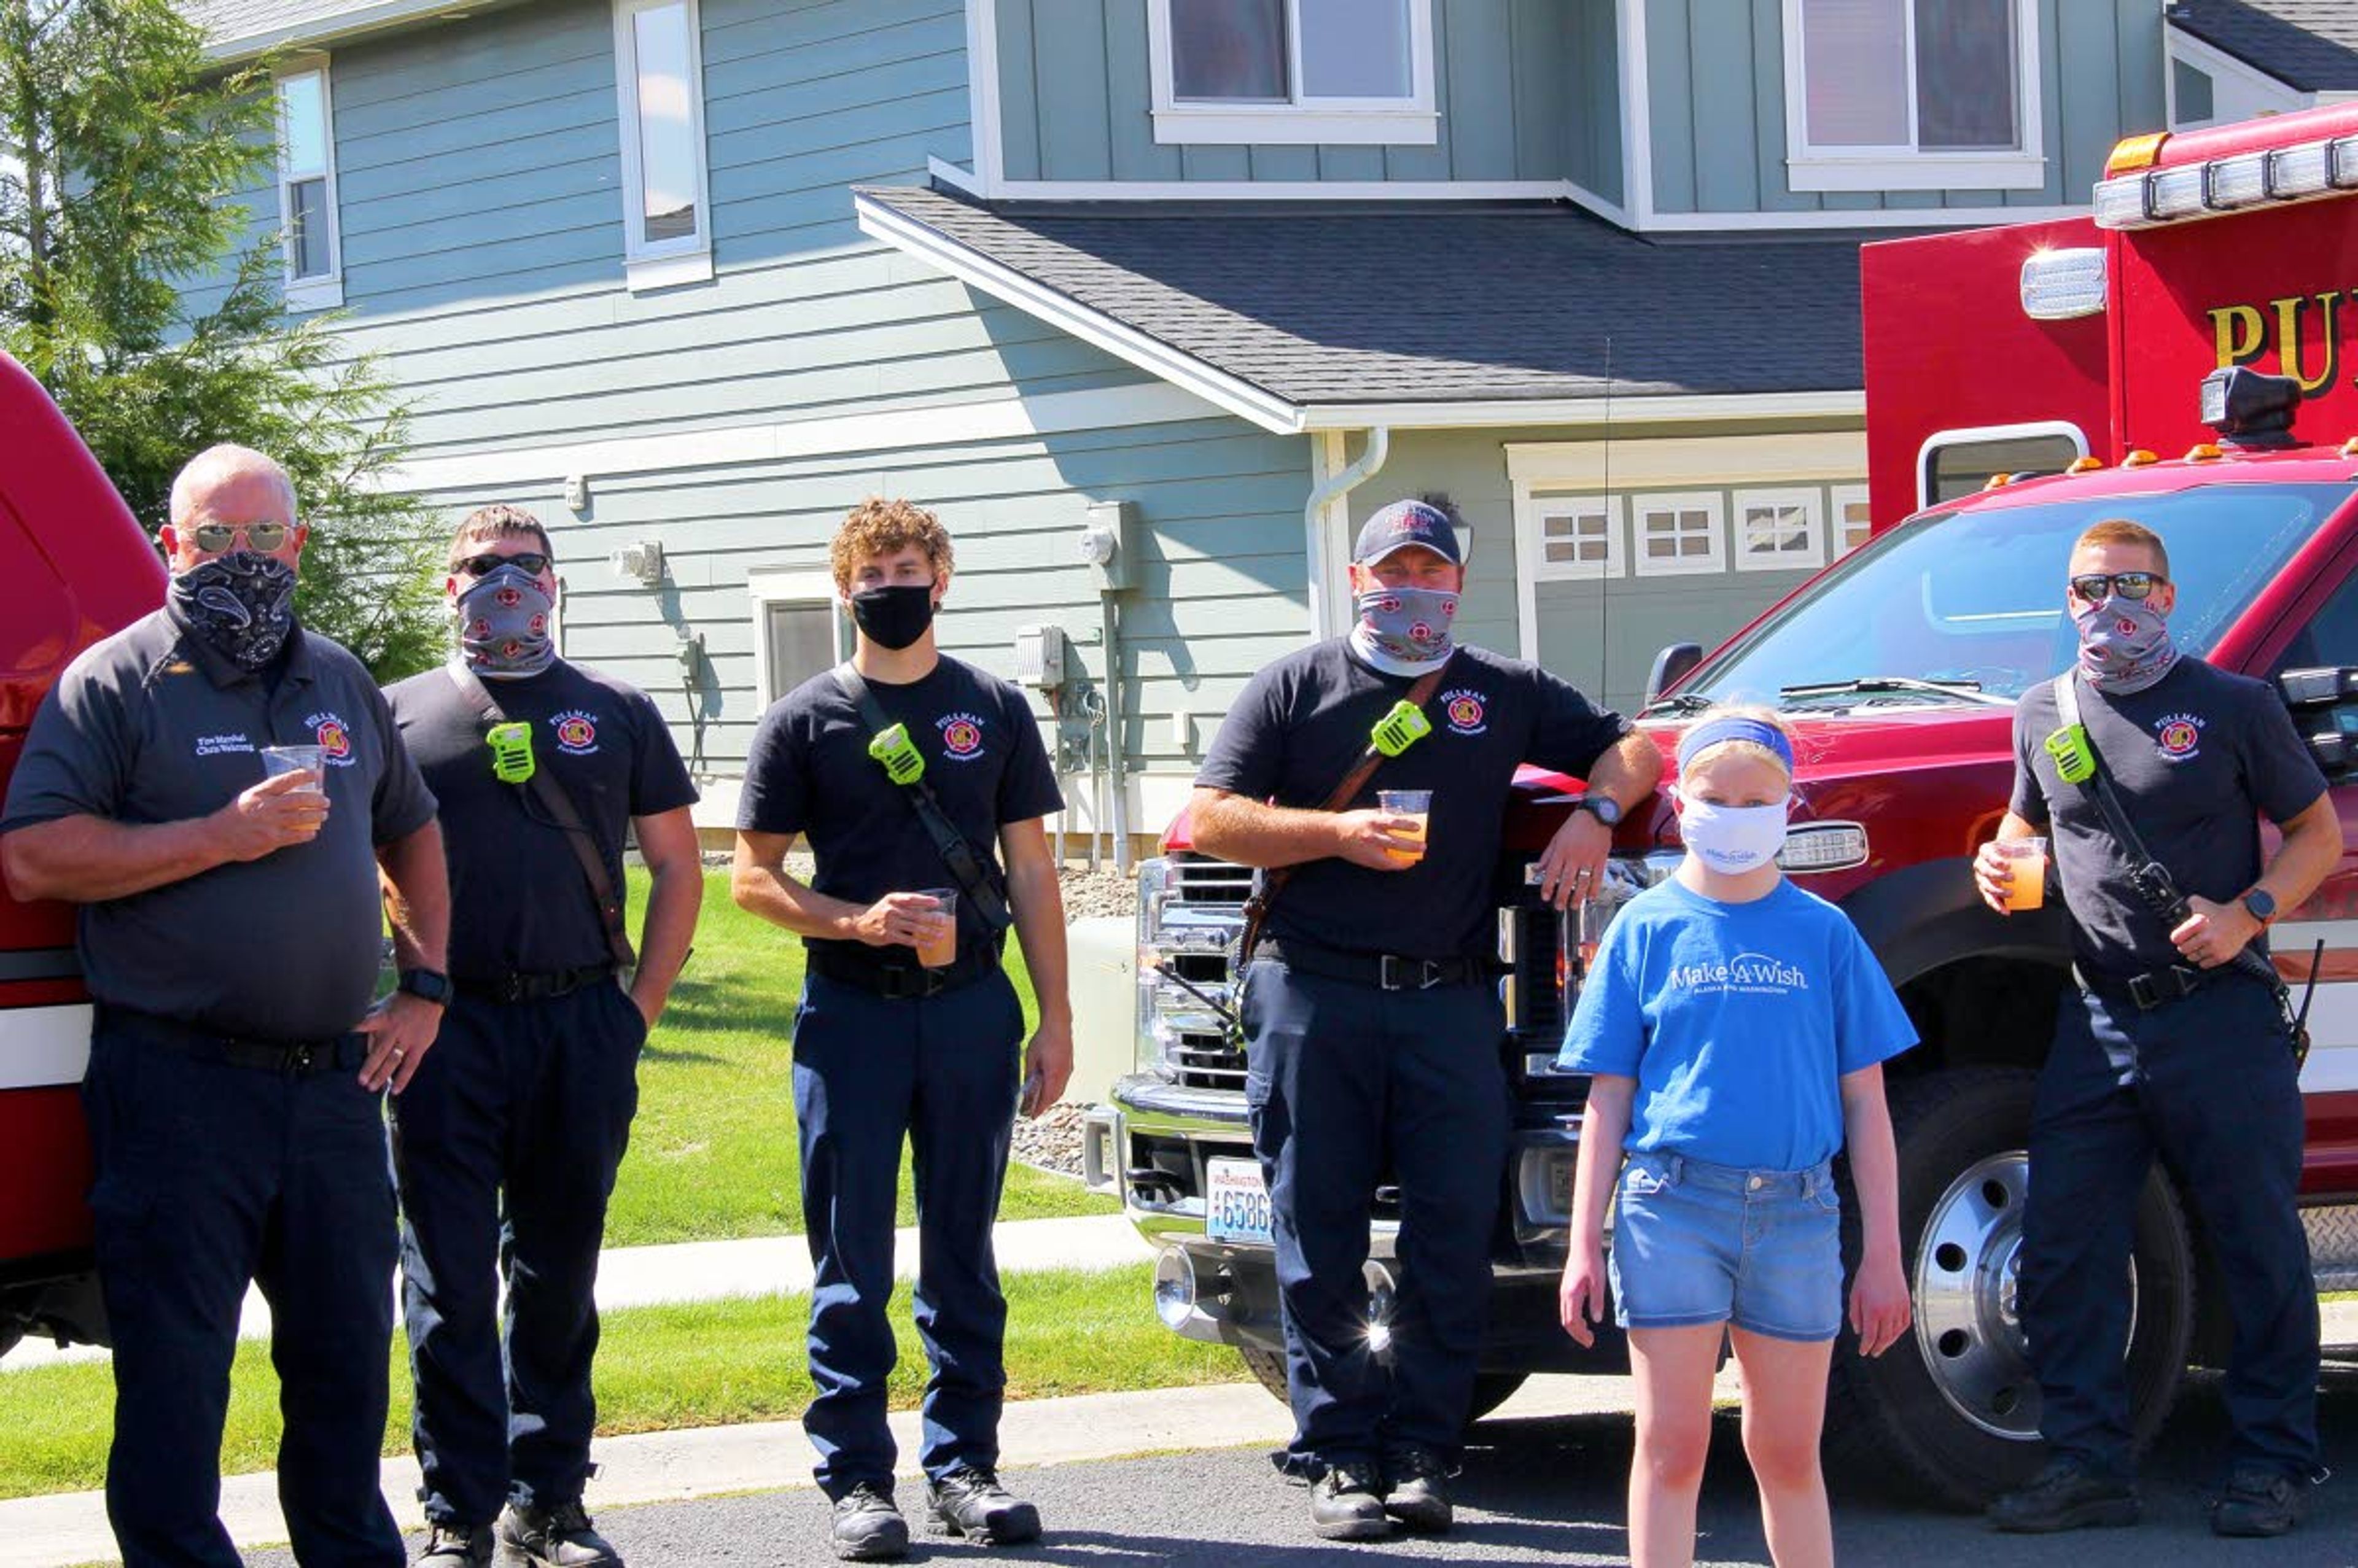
point(1696, 1243)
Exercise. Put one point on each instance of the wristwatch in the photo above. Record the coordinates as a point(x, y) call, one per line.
point(2262, 905)
point(1602, 807)
point(427, 985)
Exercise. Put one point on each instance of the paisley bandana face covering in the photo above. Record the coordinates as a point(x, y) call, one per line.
point(1404, 630)
point(2125, 644)
point(504, 625)
point(240, 605)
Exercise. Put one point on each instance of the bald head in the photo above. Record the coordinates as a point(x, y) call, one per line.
point(245, 497)
point(217, 467)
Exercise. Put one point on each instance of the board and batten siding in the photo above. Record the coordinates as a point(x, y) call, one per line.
point(1716, 83)
point(1076, 100)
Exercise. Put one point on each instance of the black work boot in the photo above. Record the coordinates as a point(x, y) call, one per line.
point(969, 1501)
point(2258, 1501)
point(1418, 1494)
point(557, 1536)
point(1347, 1504)
point(868, 1526)
point(2067, 1494)
point(457, 1546)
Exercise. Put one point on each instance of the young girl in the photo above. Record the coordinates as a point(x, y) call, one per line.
point(1736, 1027)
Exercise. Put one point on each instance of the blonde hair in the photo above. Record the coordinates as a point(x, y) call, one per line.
point(880, 527)
point(2121, 530)
point(1741, 748)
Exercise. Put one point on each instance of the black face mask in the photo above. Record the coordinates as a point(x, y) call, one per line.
point(241, 605)
point(894, 616)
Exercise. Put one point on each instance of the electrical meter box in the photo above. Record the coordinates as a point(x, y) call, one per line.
point(1109, 544)
point(1040, 657)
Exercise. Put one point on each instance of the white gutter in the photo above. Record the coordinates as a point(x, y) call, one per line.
point(1626, 409)
point(1333, 488)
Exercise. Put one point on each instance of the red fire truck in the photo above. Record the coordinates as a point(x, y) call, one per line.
point(76, 568)
point(2022, 383)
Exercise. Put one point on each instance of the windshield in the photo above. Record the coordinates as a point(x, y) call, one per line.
point(1974, 600)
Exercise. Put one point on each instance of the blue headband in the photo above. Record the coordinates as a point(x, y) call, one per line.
point(1717, 731)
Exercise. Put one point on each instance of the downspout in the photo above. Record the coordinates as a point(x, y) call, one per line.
point(1332, 488)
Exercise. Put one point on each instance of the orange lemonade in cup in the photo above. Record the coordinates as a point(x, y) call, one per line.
point(1416, 803)
point(2026, 858)
point(941, 952)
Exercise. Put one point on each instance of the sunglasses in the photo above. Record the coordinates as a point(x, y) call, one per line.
point(2097, 587)
point(531, 561)
point(213, 538)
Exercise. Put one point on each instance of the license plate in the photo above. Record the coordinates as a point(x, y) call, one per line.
point(1236, 1204)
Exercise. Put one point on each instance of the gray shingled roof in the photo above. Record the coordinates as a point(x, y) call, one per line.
point(1415, 302)
point(2308, 45)
point(234, 28)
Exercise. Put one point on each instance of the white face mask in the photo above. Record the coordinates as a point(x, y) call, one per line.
point(1733, 839)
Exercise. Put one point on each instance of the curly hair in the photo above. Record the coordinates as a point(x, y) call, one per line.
point(880, 527)
point(498, 521)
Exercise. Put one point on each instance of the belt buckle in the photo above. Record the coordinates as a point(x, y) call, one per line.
point(2143, 993)
point(1392, 966)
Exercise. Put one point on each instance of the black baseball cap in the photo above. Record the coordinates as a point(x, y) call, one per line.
point(1402, 524)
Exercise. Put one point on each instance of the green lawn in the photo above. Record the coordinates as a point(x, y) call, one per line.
point(712, 1152)
point(709, 1364)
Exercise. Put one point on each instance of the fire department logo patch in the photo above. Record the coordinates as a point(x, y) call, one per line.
point(332, 736)
point(1468, 711)
point(577, 732)
point(961, 736)
point(2179, 736)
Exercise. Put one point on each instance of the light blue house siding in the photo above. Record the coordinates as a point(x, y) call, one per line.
point(1717, 93)
point(1076, 94)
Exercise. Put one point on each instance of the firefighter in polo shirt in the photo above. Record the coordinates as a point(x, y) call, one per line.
point(1372, 1028)
point(903, 1035)
point(507, 1145)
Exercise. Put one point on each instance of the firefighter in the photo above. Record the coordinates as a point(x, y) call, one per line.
point(228, 934)
point(900, 768)
point(2174, 1041)
point(507, 1143)
point(1371, 1021)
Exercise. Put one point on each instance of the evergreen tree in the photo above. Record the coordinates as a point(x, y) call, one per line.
point(121, 150)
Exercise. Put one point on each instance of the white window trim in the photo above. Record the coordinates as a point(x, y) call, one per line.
point(766, 586)
point(1414, 121)
point(664, 264)
point(1712, 502)
point(1812, 502)
point(1840, 500)
point(1537, 508)
point(1905, 167)
point(325, 292)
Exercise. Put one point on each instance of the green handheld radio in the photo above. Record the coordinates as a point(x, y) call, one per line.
point(1404, 727)
point(510, 745)
point(2072, 756)
point(902, 763)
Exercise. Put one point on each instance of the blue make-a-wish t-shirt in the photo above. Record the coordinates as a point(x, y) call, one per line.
point(1738, 1020)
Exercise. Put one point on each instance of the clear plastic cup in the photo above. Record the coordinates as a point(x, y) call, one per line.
point(312, 760)
point(2026, 858)
point(1416, 803)
point(941, 952)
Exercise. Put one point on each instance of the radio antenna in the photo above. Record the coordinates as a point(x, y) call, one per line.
point(1605, 575)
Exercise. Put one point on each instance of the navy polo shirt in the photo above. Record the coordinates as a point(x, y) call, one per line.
point(1302, 721)
point(151, 726)
point(519, 903)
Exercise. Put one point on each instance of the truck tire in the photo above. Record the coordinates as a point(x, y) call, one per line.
point(1491, 1390)
point(1950, 1412)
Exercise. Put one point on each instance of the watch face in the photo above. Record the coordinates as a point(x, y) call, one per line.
point(2262, 906)
point(1603, 808)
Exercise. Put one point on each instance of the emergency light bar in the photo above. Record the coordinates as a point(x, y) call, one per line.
point(2147, 197)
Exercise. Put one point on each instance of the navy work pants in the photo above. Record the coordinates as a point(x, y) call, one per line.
point(210, 1176)
point(2210, 1084)
point(1344, 1080)
point(505, 1143)
point(940, 1072)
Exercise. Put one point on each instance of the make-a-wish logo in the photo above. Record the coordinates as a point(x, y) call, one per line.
point(1754, 974)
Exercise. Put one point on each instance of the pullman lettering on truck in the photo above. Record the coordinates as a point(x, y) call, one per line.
point(2301, 333)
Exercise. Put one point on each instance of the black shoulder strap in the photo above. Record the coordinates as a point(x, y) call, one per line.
point(969, 869)
point(559, 804)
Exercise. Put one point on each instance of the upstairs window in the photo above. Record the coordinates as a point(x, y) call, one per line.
point(307, 189)
point(1293, 71)
point(1912, 95)
point(659, 75)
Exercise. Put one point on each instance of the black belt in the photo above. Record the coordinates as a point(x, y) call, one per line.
point(2155, 988)
point(531, 986)
point(1384, 971)
point(293, 1057)
point(899, 982)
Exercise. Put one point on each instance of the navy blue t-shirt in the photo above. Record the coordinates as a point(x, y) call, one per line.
point(1304, 720)
point(1738, 1020)
point(808, 773)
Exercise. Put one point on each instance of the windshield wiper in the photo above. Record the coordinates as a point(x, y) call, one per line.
point(1961, 691)
point(1677, 702)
